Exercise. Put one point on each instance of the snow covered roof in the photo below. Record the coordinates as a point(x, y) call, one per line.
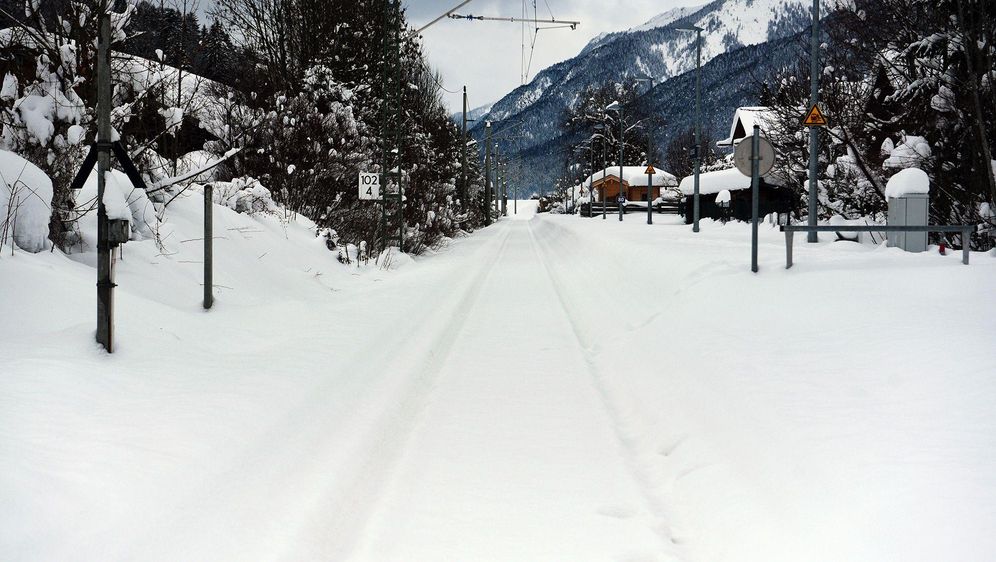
point(743, 123)
point(633, 175)
point(714, 182)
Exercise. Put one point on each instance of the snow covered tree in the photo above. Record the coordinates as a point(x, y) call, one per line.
point(905, 83)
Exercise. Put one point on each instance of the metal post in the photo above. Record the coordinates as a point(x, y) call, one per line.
point(487, 173)
point(208, 248)
point(574, 202)
point(105, 267)
point(497, 183)
point(814, 139)
point(966, 244)
point(698, 128)
point(788, 248)
point(650, 195)
point(622, 146)
point(755, 158)
point(591, 192)
point(463, 161)
point(604, 163)
point(650, 188)
point(504, 192)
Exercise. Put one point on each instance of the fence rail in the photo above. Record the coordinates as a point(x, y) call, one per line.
point(790, 229)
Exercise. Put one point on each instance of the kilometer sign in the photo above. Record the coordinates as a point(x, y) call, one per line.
point(369, 186)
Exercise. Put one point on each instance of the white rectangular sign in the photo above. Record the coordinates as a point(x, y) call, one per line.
point(369, 186)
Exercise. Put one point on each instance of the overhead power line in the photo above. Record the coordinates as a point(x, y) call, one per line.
point(571, 24)
point(449, 12)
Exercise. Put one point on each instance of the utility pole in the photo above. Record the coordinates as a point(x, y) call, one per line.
point(487, 173)
point(697, 150)
point(109, 233)
point(814, 138)
point(463, 162)
point(105, 266)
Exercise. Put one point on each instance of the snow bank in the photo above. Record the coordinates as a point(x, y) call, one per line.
point(25, 203)
point(757, 440)
point(905, 182)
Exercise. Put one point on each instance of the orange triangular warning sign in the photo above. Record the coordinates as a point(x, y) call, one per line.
point(815, 118)
point(650, 171)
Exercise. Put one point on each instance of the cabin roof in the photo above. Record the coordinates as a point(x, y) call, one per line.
point(744, 120)
point(632, 175)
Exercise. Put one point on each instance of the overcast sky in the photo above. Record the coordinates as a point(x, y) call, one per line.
point(485, 56)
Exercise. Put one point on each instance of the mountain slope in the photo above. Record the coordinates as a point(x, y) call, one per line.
point(660, 51)
point(728, 81)
point(472, 114)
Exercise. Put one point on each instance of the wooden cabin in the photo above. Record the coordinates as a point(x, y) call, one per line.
point(633, 186)
point(773, 197)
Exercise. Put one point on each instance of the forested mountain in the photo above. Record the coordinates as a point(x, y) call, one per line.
point(659, 50)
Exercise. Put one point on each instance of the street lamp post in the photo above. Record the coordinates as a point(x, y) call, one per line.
point(601, 127)
point(698, 120)
point(591, 161)
point(487, 173)
point(617, 107)
point(650, 203)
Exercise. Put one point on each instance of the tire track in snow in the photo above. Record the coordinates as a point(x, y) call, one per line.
point(391, 434)
point(624, 433)
point(288, 469)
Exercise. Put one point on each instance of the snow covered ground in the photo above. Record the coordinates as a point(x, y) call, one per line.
point(549, 388)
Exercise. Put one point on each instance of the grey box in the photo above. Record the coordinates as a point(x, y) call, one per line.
point(118, 231)
point(909, 210)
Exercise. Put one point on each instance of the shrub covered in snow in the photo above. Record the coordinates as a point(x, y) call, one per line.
point(244, 195)
point(25, 203)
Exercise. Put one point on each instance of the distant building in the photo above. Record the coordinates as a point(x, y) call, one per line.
point(606, 184)
point(772, 197)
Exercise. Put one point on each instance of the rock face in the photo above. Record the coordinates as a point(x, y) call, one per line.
point(742, 40)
